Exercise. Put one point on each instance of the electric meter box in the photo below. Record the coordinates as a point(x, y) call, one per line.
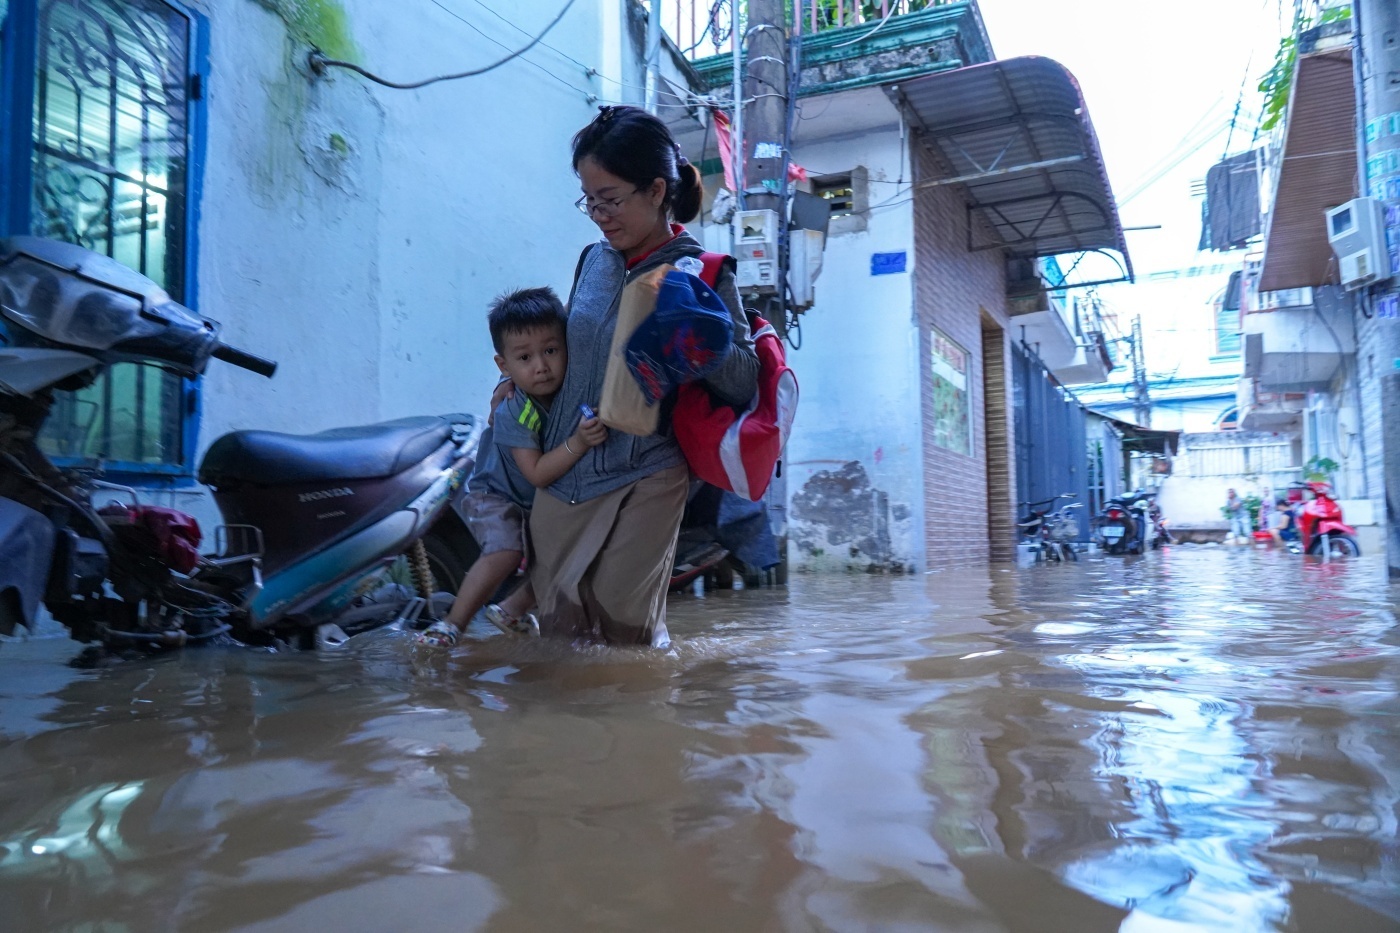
point(756, 248)
point(1356, 231)
point(804, 264)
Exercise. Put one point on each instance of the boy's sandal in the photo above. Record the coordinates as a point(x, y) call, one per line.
point(441, 634)
point(527, 625)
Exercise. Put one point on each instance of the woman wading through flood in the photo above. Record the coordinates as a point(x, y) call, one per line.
point(604, 535)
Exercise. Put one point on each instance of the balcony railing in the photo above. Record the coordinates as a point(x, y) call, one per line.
point(701, 28)
point(1243, 460)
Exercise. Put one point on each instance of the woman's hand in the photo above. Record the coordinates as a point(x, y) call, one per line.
point(590, 433)
point(504, 389)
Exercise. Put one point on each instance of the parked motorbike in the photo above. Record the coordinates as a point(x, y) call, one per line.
point(1051, 532)
point(313, 525)
point(723, 537)
point(1321, 531)
point(1132, 524)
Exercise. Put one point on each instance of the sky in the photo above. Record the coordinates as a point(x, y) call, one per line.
point(1159, 79)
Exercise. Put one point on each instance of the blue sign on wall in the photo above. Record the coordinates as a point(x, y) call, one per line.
point(888, 263)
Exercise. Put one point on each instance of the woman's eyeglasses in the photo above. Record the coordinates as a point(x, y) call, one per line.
point(603, 207)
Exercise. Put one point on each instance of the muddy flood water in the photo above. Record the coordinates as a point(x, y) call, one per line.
point(1202, 739)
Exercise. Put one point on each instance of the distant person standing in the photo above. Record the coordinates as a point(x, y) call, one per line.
point(1237, 514)
point(1266, 509)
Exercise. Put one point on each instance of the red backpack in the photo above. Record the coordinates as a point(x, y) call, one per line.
point(738, 450)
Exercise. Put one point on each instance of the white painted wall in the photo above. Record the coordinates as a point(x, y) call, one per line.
point(356, 233)
point(859, 364)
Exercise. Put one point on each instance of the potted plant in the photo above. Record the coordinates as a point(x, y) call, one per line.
point(1320, 470)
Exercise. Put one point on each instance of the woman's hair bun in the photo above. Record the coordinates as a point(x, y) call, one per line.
point(685, 207)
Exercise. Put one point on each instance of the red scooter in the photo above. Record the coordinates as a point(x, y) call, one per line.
point(1320, 527)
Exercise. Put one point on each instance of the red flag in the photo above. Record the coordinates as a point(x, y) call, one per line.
point(726, 146)
point(726, 152)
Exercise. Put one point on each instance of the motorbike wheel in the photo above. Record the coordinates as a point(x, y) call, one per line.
point(1337, 546)
point(1069, 552)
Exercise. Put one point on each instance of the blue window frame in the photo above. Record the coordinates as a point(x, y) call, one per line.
point(101, 144)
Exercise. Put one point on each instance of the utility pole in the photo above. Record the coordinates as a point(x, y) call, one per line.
point(765, 43)
point(1142, 402)
point(1376, 26)
point(653, 85)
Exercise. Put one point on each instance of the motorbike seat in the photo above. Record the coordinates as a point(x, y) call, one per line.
point(369, 451)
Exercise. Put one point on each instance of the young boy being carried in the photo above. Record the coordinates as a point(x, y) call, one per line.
point(527, 330)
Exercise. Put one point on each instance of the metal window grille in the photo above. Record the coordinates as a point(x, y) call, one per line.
point(839, 192)
point(110, 158)
point(701, 27)
point(1246, 460)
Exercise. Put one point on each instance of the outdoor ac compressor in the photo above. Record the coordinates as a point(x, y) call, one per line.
point(1356, 231)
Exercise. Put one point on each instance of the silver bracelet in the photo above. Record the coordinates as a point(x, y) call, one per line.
point(568, 448)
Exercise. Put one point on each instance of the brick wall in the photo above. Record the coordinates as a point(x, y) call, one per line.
point(953, 288)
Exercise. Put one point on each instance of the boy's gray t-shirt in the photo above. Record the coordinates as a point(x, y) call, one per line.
point(517, 422)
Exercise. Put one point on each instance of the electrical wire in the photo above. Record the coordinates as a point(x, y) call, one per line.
point(813, 173)
point(710, 23)
point(1161, 173)
point(587, 69)
point(792, 329)
point(319, 62)
point(479, 31)
point(1239, 100)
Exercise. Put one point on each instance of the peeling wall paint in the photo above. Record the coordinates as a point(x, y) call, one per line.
point(840, 520)
point(322, 24)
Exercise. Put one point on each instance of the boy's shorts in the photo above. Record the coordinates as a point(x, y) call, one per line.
point(496, 523)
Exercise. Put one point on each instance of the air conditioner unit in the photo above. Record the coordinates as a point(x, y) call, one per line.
point(1356, 231)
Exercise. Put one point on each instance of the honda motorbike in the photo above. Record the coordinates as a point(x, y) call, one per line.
point(1321, 530)
point(321, 533)
point(1132, 524)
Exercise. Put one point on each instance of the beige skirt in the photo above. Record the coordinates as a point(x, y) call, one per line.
point(601, 567)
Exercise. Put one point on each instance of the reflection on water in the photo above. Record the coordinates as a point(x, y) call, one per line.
point(1202, 739)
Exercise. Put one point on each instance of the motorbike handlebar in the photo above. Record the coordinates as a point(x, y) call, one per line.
point(246, 361)
point(1063, 495)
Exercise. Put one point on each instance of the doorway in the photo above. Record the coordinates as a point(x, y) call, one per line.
point(996, 413)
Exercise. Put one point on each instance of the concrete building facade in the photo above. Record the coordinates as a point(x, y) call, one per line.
point(904, 452)
point(353, 232)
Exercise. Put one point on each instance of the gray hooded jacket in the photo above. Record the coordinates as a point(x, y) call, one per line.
point(593, 306)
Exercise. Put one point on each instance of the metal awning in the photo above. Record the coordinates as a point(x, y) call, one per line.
point(1317, 172)
point(1016, 134)
point(1158, 441)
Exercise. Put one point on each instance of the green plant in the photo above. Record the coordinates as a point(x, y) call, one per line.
point(1320, 469)
point(1278, 80)
point(1252, 503)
